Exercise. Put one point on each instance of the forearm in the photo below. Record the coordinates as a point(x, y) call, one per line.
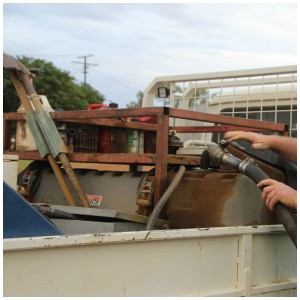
point(285, 146)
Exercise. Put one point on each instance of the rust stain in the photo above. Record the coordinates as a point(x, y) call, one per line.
point(199, 199)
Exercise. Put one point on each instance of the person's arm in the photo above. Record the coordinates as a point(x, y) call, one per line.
point(285, 146)
point(275, 191)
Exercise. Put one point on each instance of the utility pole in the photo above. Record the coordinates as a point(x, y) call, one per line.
point(85, 64)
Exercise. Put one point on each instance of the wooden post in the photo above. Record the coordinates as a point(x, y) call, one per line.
point(6, 135)
point(19, 86)
point(161, 164)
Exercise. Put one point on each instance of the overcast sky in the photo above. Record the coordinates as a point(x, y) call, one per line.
point(133, 43)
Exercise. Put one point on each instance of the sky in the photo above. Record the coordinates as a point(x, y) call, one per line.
point(132, 43)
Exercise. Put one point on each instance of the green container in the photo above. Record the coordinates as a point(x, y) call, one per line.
point(132, 141)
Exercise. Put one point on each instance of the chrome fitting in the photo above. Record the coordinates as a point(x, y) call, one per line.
point(216, 154)
point(244, 164)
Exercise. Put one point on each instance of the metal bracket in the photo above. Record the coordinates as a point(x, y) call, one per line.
point(223, 143)
point(145, 191)
point(50, 133)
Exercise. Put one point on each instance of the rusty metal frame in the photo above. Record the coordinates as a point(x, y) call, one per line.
point(161, 159)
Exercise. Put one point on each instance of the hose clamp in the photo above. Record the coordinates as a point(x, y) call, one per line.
point(244, 164)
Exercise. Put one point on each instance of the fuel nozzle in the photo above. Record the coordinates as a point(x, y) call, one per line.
point(220, 155)
point(210, 157)
point(213, 157)
point(217, 154)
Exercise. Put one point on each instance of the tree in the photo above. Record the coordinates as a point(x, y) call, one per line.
point(138, 103)
point(60, 88)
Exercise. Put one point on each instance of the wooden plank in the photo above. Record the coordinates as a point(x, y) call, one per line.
point(199, 116)
point(115, 158)
point(109, 113)
point(129, 158)
point(222, 128)
point(14, 116)
point(176, 113)
point(115, 123)
point(148, 126)
point(25, 155)
point(125, 158)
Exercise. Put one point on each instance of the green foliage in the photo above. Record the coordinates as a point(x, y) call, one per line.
point(178, 89)
point(138, 103)
point(9, 92)
point(58, 86)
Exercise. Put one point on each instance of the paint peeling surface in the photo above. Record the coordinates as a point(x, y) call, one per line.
point(228, 261)
point(104, 238)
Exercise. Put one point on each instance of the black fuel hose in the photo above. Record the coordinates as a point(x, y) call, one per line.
point(283, 214)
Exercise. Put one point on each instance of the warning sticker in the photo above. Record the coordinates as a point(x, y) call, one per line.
point(94, 200)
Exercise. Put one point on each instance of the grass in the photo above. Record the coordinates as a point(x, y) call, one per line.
point(22, 164)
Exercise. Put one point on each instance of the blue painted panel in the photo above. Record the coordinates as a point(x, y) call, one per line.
point(21, 219)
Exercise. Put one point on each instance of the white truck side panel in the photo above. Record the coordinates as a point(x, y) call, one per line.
point(10, 170)
point(230, 261)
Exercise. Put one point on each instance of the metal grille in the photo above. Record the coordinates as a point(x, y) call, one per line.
point(85, 137)
point(267, 94)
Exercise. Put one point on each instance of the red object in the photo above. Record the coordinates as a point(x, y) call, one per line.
point(150, 119)
point(149, 136)
point(97, 106)
point(27, 198)
point(112, 140)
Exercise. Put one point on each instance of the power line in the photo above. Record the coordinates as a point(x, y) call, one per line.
point(85, 64)
point(115, 80)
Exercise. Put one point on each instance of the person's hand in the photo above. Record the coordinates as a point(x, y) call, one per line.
point(283, 145)
point(275, 191)
point(258, 141)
